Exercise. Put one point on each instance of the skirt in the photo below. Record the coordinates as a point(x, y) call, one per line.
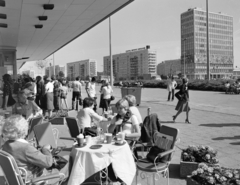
point(102, 103)
point(47, 101)
point(183, 106)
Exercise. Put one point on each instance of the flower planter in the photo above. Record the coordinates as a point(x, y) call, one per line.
point(186, 168)
point(190, 181)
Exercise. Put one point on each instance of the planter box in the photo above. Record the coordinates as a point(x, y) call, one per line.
point(186, 168)
point(190, 181)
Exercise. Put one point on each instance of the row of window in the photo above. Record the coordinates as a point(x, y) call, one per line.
point(197, 28)
point(219, 21)
point(215, 52)
point(223, 37)
point(213, 70)
point(210, 25)
point(212, 15)
point(214, 46)
point(222, 42)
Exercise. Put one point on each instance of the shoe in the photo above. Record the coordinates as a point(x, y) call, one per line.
point(174, 117)
point(187, 121)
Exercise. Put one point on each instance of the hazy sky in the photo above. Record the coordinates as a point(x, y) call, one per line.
point(145, 22)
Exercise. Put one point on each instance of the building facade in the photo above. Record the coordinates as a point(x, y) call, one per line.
point(194, 44)
point(169, 67)
point(82, 69)
point(49, 70)
point(132, 64)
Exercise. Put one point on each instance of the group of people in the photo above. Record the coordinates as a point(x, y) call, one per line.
point(232, 88)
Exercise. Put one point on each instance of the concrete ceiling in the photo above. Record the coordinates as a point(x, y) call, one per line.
point(68, 20)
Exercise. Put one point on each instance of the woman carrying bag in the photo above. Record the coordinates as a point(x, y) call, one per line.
point(183, 101)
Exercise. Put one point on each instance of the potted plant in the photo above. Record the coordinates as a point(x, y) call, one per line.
point(193, 155)
point(214, 175)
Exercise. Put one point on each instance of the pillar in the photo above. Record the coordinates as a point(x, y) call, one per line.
point(8, 60)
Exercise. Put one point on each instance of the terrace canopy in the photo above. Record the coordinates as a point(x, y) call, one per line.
point(34, 29)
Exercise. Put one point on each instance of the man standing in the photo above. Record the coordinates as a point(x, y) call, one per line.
point(172, 84)
point(91, 91)
point(77, 88)
point(56, 85)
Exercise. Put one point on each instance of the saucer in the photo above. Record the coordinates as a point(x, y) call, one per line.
point(84, 144)
point(120, 144)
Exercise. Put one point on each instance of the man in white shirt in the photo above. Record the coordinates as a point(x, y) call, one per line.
point(91, 91)
point(77, 89)
point(171, 88)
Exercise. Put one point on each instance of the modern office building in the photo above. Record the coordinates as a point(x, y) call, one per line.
point(49, 70)
point(133, 64)
point(169, 67)
point(83, 69)
point(194, 46)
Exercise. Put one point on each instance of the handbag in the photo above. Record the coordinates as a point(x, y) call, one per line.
point(59, 162)
point(153, 153)
point(178, 95)
point(11, 100)
point(112, 98)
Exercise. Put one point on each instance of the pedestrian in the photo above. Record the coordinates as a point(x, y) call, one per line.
point(107, 91)
point(63, 91)
point(76, 95)
point(91, 91)
point(172, 84)
point(40, 90)
point(7, 92)
point(48, 98)
point(101, 103)
point(183, 101)
point(56, 85)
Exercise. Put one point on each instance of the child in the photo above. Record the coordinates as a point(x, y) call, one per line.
point(25, 107)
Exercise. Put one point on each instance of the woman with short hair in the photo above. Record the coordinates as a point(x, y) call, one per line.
point(106, 91)
point(14, 130)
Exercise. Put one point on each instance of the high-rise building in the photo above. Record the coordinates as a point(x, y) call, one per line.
point(194, 44)
point(132, 64)
point(169, 67)
point(82, 69)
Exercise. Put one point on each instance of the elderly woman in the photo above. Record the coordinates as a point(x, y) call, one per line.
point(132, 107)
point(124, 121)
point(14, 130)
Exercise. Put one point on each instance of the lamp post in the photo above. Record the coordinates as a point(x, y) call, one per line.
point(184, 68)
point(110, 51)
point(208, 62)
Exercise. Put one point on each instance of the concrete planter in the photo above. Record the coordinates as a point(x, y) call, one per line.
point(186, 168)
point(190, 181)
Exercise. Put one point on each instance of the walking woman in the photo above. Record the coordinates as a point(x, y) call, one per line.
point(183, 100)
point(101, 103)
point(48, 98)
point(107, 91)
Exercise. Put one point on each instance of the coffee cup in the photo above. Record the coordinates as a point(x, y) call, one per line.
point(80, 141)
point(108, 137)
point(88, 139)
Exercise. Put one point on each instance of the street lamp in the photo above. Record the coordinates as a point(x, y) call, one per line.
point(184, 68)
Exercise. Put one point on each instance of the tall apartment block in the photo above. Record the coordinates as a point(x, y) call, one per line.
point(82, 69)
point(194, 45)
point(132, 64)
point(169, 67)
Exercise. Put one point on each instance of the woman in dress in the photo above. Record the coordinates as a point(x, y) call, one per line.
point(101, 104)
point(106, 91)
point(183, 102)
point(48, 98)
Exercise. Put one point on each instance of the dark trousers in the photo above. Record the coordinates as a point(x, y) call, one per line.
point(56, 102)
point(106, 104)
point(169, 94)
point(37, 100)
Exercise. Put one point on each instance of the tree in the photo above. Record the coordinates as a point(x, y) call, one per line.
point(61, 74)
point(41, 64)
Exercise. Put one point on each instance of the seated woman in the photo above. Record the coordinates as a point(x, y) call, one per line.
point(14, 131)
point(25, 107)
point(124, 121)
point(132, 107)
point(86, 115)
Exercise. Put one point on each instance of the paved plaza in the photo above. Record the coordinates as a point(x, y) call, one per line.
point(215, 119)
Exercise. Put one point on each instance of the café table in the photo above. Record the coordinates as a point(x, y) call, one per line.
point(87, 162)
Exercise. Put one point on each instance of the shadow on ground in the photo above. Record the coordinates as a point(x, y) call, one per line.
point(229, 138)
point(221, 125)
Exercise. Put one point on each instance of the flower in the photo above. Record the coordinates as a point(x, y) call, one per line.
point(208, 174)
point(200, 154)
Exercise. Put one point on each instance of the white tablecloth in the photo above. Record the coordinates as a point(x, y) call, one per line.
point(87, 162)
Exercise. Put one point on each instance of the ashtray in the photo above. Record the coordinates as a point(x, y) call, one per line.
point(95, 146)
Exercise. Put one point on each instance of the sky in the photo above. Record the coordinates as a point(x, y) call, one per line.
point(145, 22)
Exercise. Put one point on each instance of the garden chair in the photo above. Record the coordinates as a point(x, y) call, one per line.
point(74, 130)
point(147, 168)
point(15, 175)
point(33, 122)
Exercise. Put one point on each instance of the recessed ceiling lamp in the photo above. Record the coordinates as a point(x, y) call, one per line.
point(42, 18)
point(38, 26)
point(23, 58)
point(3, 25)
point(3, 16)
point(48, 6)
point(2, 3)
